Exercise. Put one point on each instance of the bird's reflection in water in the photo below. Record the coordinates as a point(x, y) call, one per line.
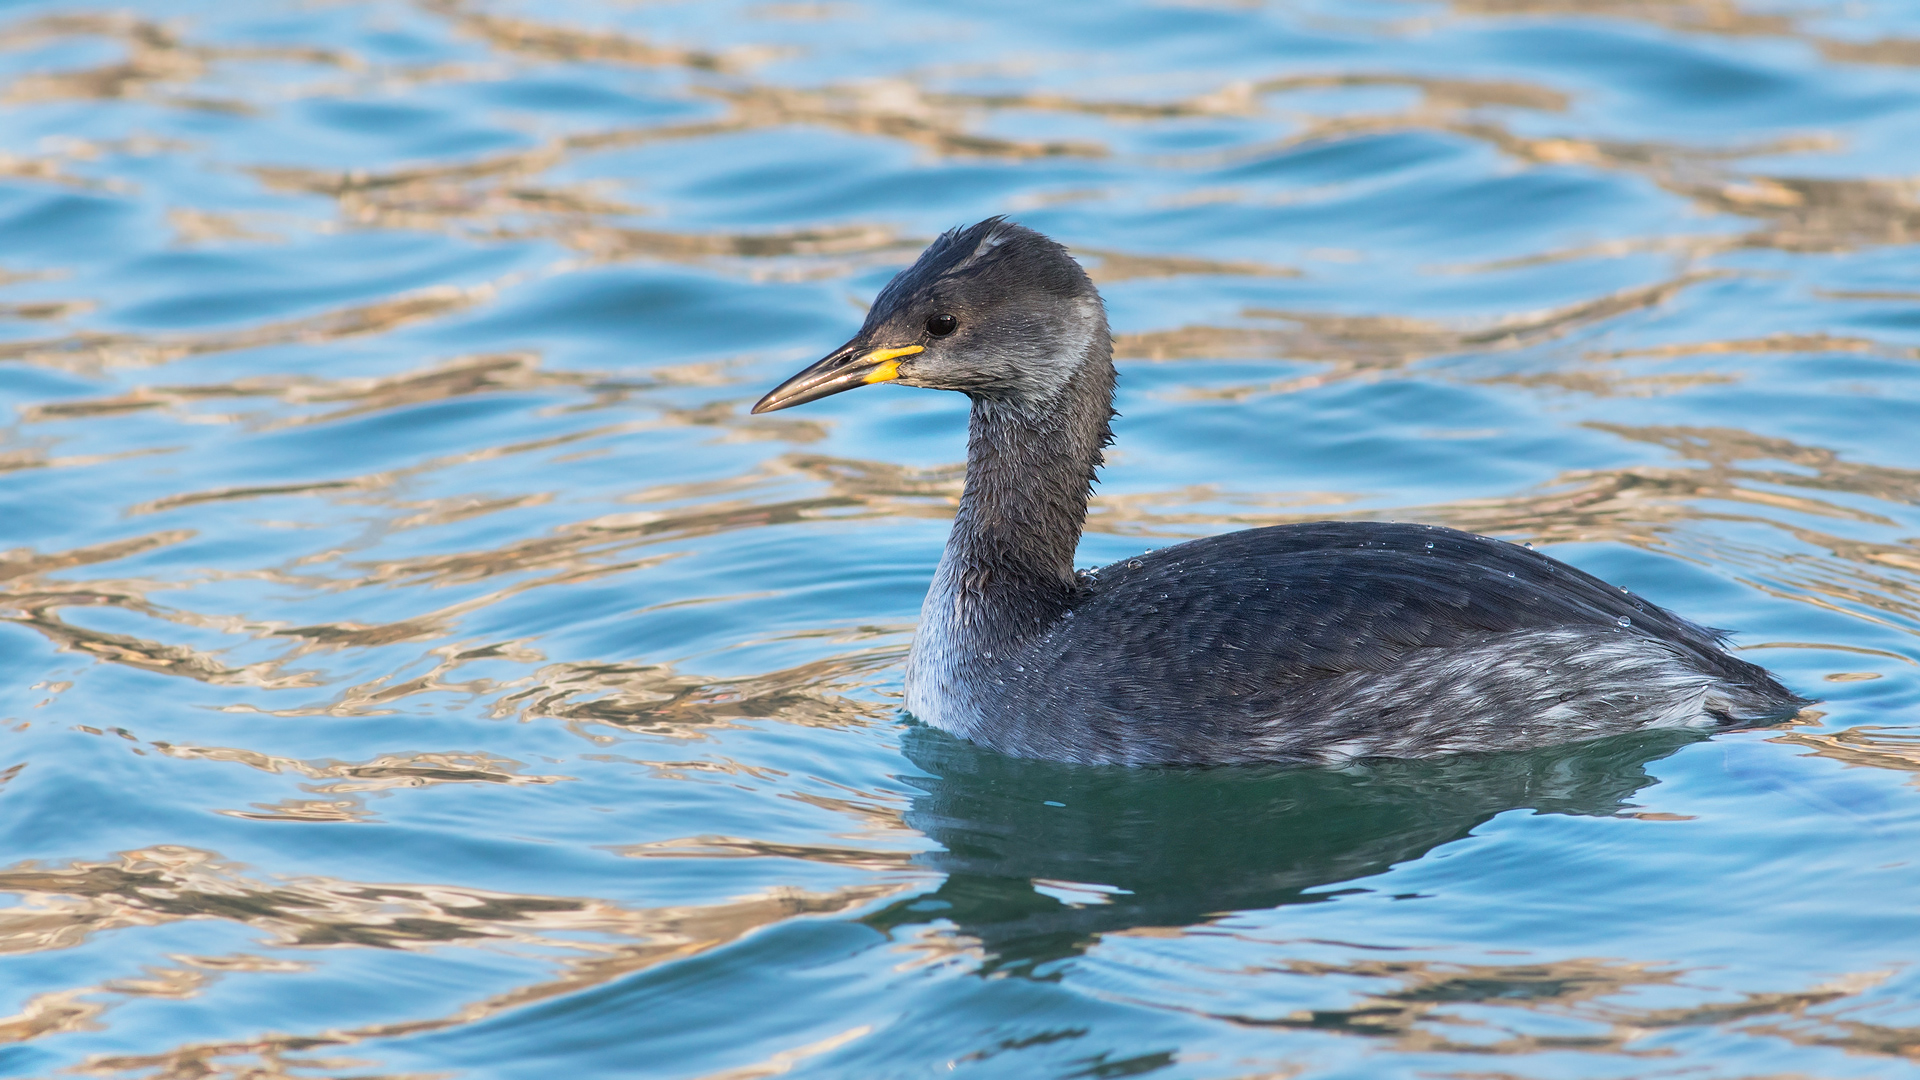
point(1041, 857)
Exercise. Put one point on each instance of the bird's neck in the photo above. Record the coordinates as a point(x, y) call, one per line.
point(1007, 573)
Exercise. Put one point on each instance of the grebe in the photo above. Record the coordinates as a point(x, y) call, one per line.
point(1314, 643)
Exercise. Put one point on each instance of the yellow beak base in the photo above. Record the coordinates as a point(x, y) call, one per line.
point(837, 372)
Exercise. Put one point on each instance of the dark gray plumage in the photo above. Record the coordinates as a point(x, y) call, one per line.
point(1297, 643)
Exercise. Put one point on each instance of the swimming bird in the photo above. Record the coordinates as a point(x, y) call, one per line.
point(1311, 643)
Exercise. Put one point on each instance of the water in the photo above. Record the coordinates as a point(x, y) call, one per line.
point(418, 663)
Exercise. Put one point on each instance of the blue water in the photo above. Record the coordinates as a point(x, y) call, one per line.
point(416, 662)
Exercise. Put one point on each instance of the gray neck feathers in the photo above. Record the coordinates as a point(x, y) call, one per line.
point(1029, 473)
point(1008, 569)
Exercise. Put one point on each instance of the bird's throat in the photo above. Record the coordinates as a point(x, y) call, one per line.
point(1007, 574)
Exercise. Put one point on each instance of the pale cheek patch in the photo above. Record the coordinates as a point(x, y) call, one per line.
point(1079, 345)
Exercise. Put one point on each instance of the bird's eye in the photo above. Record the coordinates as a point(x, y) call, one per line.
point(941, 325)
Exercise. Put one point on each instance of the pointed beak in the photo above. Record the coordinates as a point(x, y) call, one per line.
point(851, 365)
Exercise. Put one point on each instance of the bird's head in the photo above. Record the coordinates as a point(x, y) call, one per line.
point(994, 310)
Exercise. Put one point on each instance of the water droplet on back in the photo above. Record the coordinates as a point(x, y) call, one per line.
point(1133, 564)
point(1624, 621)
point(1429, 545)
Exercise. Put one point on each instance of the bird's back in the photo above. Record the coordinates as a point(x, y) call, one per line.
point(1332, 640)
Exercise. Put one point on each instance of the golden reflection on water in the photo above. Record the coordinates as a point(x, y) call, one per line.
point(496, 196)
point(1353, 346)
point(1868, 745)
point(1428, 998)
point(443, 381)
point(62, 908)
point(157, 59)
point(548, 41)
point(91, 352)
point(1424, 1002)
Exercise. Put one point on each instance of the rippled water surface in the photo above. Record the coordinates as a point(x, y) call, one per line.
point(417, 662)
